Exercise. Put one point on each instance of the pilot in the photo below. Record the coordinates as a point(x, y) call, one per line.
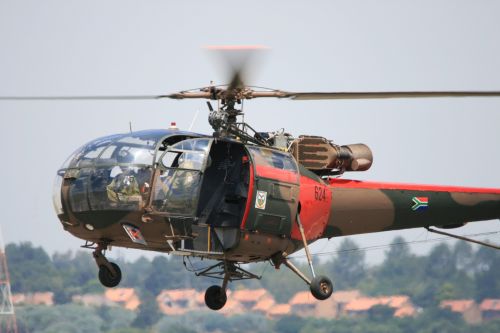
point(124, 189)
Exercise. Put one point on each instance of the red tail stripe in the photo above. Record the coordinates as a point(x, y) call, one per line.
point(347, 183)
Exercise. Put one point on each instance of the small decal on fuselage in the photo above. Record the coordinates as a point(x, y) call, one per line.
point(420, 204)
point(134, 234)
point(260, 201)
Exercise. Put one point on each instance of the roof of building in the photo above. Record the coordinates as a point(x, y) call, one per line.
point(18, 298)
point(200, 297)
point(490, 304)
point(133, 303)
point(366, 303)
point(127, 296)
point(249, 295)
point(279, 310)
point(232, 307)
point(303, 297)
point(46, 298)
point(457, 305)
point(345, 296)
point(264, 304)
point(362, 304)
point(405, 311)
point(43, 298)
point(395, 301)
point(119, 294)
point(91, 299)
point(175, 295)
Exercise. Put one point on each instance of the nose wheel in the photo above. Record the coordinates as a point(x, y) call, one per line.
point(321, 287)
point(110, 276)
point(227, 271)
point(215, 297)
point(110, 273)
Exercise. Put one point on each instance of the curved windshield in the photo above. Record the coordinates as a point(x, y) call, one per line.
point(85, 155)
point(111, 173)
point(56, 195)
point(136, 148)
point(110, 188)
point(115, 172)
point(129, 150)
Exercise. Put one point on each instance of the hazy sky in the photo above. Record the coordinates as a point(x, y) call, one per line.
point(152, 47)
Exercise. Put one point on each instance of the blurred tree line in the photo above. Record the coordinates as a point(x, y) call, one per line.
point(447, 272)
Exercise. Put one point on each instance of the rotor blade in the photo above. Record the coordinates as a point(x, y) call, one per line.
point(385, 94)
point(70, 98)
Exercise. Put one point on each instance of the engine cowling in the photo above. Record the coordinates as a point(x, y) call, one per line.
point(323, 157)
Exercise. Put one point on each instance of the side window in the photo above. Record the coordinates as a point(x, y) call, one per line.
point(170, 159)
point(274, 159)
point(274, 164)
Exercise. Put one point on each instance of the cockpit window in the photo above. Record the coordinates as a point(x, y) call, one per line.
point(272, 158)
point(187, 154)
point(129, 150)
point(179, 182)
point(85, 155)
point(191, 160)
point(193, 144)
point(274, 164)
point(116, 172)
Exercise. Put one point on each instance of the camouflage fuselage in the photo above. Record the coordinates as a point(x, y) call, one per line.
point(242, 202)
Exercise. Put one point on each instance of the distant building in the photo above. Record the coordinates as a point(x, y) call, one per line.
point(361, 307)
point(263, 306)
point(250, 297)
point(466, 307)
point(92, 300)
point(303, 304)
point(490, 308)
point(334, 306)
point(125, 297)
point(279, 310)
point(39, 298)
point(233, 307)
point(177, 301)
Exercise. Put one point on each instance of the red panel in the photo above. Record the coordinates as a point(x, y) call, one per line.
point(315, 201)
point(346, 183)
point(277, 174)
point(249, 197)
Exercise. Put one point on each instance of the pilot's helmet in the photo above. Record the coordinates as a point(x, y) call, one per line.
point(124, 157)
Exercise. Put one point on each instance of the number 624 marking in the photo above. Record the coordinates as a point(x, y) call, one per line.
point(319, 193)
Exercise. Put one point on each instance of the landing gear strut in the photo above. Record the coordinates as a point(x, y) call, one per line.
point(110, 274)
point(321, 287)
point(227, 271)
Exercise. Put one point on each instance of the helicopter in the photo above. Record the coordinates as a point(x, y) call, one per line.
point(240, 196)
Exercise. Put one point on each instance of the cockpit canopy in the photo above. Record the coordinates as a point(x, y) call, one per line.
point(115, 172)
point(138, 148)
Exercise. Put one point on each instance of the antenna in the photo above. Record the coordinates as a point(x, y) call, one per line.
point(130, 126)
point(196, 116)
point(8, 321)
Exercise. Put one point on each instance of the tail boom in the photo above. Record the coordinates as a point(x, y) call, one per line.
point(364, 207)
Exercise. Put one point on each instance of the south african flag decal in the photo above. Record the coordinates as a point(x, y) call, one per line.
point(420, 204)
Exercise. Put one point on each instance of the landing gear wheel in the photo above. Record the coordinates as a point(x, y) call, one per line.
point(107, 278)
point(215, 297)
point(321, 287)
